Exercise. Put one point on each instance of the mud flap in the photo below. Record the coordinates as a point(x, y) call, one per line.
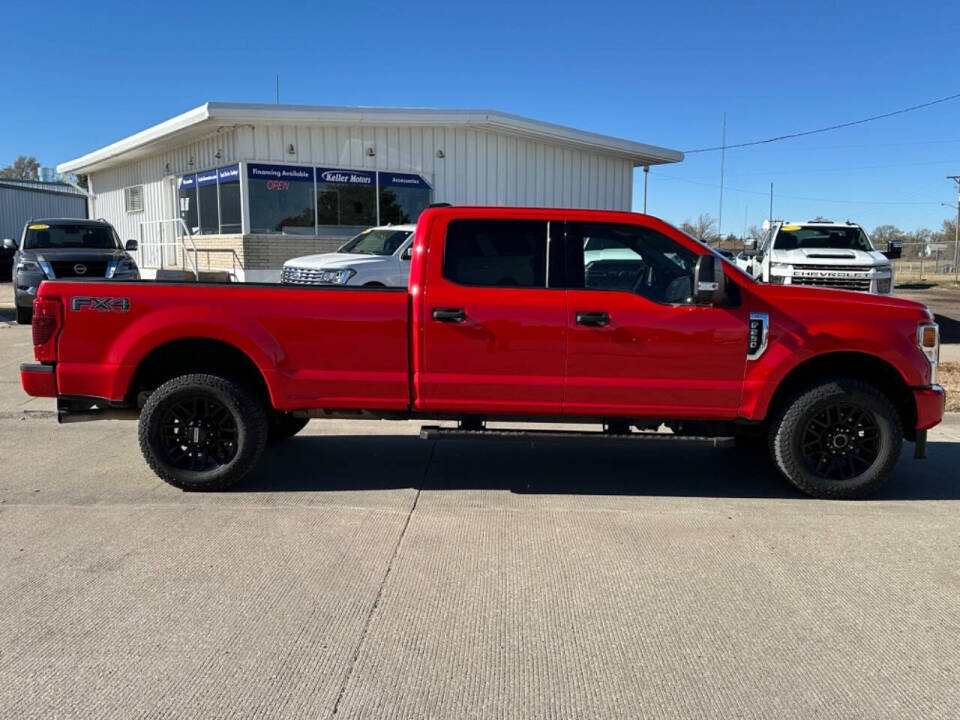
point(920, 446)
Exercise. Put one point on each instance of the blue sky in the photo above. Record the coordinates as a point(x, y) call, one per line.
point(77, 76)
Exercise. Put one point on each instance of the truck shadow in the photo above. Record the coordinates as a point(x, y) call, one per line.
point(384, 462)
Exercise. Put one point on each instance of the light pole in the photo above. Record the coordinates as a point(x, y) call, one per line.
point(646, 172)
point(956, 233)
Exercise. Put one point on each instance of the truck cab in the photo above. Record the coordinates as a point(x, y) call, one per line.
point(821, 254)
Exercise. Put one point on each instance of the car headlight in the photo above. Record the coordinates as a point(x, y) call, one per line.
point(125, 267)
point(928, 340)
point(883, 283)
point(28, 266)
point(781, 268)
point(337, 277)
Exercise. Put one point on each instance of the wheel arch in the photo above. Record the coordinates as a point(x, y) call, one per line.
point(197, 355)
point(858, 366)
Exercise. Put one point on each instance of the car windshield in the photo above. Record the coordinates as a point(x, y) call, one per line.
point(52, 237)
point(376, 242)
point(793, 237)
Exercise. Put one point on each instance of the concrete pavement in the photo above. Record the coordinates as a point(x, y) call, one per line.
point(362, 572)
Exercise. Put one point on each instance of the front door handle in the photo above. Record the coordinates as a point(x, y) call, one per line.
point(456, 315)
point(593, 319)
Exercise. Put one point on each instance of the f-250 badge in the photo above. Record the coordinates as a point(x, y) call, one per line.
point(101, 304)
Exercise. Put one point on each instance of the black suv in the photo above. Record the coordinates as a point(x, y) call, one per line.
point(66, 248)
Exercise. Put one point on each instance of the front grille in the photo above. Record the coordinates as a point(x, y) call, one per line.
point(301, 276)
point(860, 284)
point(68, 268)
point(835, 268)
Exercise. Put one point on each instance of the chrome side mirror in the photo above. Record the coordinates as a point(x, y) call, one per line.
point(407, 254)
point(9, 244)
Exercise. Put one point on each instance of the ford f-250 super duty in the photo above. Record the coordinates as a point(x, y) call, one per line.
point(511, 314)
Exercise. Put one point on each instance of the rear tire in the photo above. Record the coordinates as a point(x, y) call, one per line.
point(837, 439)
point(202, 432)
point(283, 426)
point(24, 315)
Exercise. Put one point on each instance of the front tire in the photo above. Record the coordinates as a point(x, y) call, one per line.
point(202, 432)
point(837, 439)
point(24, 315)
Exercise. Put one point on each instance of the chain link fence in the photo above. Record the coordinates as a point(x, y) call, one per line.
point(927, 262)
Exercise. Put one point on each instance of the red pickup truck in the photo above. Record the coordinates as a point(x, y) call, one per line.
point(562, 316)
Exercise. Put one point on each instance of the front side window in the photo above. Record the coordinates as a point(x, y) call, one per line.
point(43, 236)
point(793, 237)
point(632, 258)
point(281, 199)
point(346, 197)
point(376, 242)
point(402, 197)
point(496, 253)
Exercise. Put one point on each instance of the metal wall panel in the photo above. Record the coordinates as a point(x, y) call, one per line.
point(478, 167)
point(17, 206)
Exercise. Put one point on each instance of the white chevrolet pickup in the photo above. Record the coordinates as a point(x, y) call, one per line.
point(821, 254)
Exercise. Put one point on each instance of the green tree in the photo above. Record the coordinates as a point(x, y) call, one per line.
point(24, 168)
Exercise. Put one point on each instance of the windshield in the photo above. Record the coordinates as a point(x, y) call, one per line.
point(52, 237)
point(376, 242)
point(792, 237)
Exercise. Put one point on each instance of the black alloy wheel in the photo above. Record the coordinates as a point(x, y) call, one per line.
point(199, 434)
point(840, 441)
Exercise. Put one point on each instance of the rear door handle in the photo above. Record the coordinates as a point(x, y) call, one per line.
point(593, 319)
point(456, 315)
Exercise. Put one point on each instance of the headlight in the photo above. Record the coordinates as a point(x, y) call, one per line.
point(883, 284)
point(125, 267)
point(781, 268)
point(928, 340)
point(28, 266)
point(337, 277)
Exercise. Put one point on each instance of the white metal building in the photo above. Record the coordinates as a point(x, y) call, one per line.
point(249, 186)
point(22, 200)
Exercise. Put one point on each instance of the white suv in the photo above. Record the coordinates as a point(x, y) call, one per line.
point(377, 257)
point(821, 254)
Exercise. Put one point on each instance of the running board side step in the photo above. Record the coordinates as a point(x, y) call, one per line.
point(435, 432)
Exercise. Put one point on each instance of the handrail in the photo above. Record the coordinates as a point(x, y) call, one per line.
point(184, 231)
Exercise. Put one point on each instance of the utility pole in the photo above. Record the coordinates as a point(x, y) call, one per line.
point(770, 216)
point(956, 233)
point(646, 172)
point(723, 156)
point(278, 89)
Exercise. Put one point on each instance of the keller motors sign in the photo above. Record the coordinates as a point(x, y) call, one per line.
point(334, 176)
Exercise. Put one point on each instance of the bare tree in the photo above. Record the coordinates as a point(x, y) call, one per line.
point(703, 228)
point(24, 168)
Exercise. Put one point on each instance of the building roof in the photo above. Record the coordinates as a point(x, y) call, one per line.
point(56, 188)
point(202, 120)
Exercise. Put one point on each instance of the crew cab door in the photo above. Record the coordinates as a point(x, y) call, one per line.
point(491, 329)
point(636, 343)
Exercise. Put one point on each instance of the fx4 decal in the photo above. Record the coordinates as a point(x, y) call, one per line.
point(102, 304)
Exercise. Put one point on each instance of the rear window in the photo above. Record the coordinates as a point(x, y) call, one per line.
point(496, 253)
point(42, 236)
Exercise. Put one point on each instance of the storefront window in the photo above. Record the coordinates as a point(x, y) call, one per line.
point(230, 209)
point(208, 203)
point(402, 197)
point(187, 199)
point(281, 199)
point(346, 197)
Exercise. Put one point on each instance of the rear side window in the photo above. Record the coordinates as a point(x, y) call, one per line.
point(496, 253)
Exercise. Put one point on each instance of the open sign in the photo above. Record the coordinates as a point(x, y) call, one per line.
point(278, 185)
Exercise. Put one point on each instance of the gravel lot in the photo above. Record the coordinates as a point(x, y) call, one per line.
point(362, 572)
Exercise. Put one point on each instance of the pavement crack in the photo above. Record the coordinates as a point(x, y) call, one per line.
point(383, 583)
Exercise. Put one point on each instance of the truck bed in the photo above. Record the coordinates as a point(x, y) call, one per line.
point(320, 346)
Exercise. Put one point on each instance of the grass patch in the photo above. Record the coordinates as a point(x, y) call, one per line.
point(949, 376)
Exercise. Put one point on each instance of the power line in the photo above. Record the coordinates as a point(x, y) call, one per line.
point(827, 129)
point(801, 197)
